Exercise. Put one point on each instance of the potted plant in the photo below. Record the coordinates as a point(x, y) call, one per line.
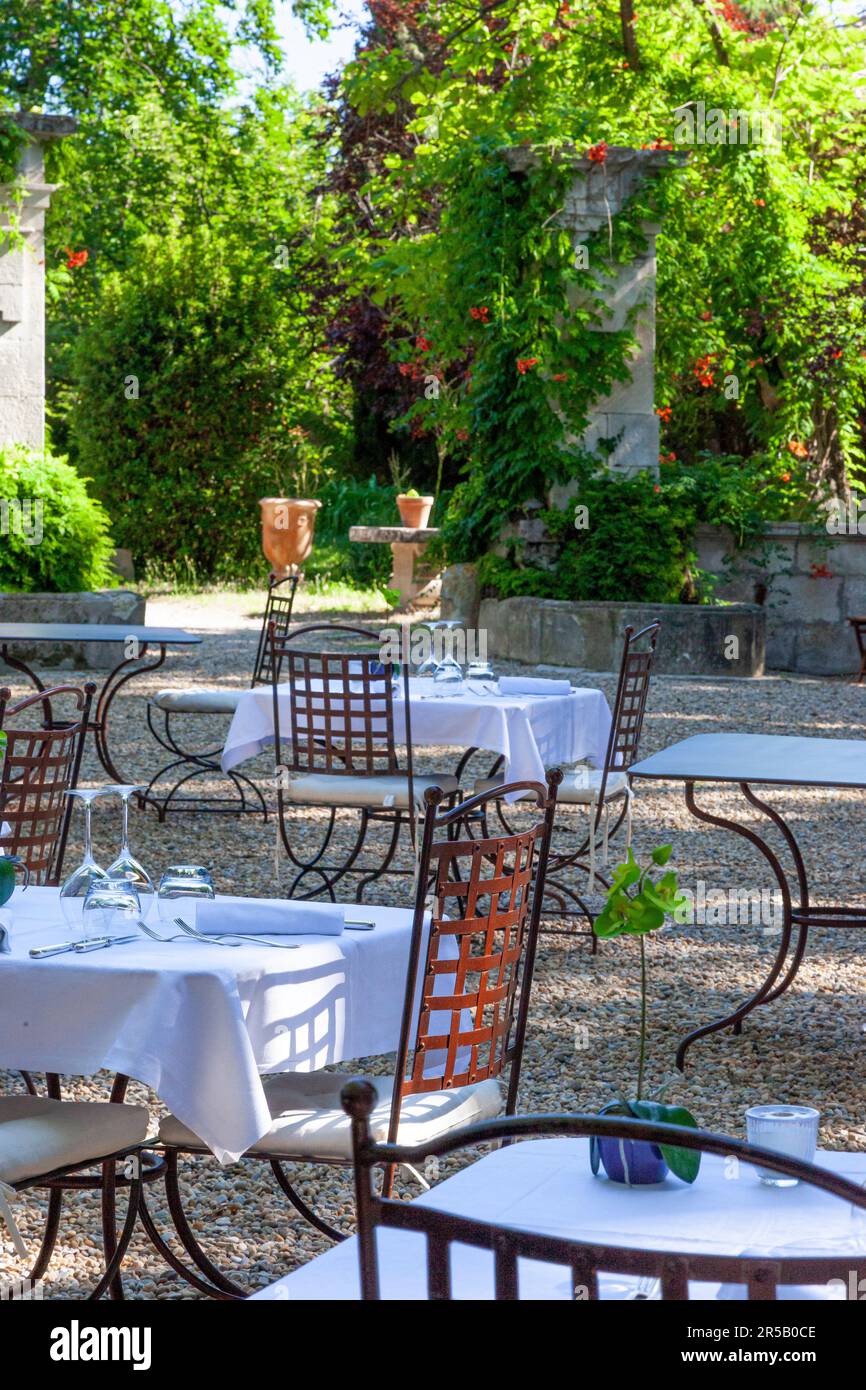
point(637, 913)
point(289, 522)
point(414, 509)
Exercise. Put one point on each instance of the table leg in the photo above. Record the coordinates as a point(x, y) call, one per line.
point(123, 672)
point(766, 988)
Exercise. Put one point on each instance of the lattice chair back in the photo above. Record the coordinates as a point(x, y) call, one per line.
point(278, 610)
point(470, 972)
point(341, 711)
point(40, 765)
point(675, 1270)
point(631, 697)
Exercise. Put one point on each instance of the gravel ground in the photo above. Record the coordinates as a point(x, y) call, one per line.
point(808, 1048)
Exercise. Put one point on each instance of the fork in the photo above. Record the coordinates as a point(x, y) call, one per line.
point(155, 936)
point(647, 1288)
point(238, 941)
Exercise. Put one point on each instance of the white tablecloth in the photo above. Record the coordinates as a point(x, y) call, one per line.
point(199, 1023)
point(546, 1185)
point(531, 731)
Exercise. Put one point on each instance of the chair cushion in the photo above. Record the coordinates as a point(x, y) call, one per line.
point(38, 1135)
point(323, 789)
point(309, 1121)
point(198, 701)
point(579, 787)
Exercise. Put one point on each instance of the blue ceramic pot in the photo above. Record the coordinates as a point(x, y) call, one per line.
point(632, 1161)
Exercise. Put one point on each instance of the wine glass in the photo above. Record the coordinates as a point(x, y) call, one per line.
point(111, 908)
point(430, 665)
point(181, 888)
point(126, 867)
point(479, 669)
point(74, 890)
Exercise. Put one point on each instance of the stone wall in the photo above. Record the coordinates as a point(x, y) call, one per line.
point(806, 612)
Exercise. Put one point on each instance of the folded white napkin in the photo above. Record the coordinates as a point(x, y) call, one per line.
point(533, 685)
point(269, 917)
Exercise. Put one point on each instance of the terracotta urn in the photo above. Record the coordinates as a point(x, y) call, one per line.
point(288, 525)
point(414, 511)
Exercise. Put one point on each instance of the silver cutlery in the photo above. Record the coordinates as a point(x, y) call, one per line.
point(217, 938)
point(647, 1289)
point(92, 943)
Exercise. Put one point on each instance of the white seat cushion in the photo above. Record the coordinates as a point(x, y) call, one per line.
point(38, 1135)
point(309, 1121)
point(198, 701)
point(323, 789)
point(580, 787)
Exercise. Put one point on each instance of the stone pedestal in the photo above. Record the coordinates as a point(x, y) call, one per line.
point(416, 583)
point(22, 286)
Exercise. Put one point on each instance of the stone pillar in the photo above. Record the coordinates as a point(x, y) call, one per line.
point(596, 193)
point(22, 287)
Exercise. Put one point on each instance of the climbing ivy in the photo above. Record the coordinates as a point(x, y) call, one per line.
point(498, 310)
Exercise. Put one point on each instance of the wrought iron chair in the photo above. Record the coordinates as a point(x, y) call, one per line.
point(40, 765)
point(49, 1144)
point(339, 752)
point(674, 1270)
point(465, 1010)
point(167, 706)
point(604, 792)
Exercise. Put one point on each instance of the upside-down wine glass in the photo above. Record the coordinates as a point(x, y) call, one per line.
point(126, 867)
point(74, 890)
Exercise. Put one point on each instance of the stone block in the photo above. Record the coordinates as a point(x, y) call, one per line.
point(460, 594)
point(695, 640)
point(109, 606)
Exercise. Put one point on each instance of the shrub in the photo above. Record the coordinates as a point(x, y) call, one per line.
point(74, 550)
point(197, 394)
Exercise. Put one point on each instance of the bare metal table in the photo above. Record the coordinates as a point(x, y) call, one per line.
point(134, 642)
point(747, 760)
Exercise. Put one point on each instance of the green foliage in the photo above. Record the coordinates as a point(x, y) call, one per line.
point(188, 407)
point(637, 543)
point(761, 325)
point(75, 549)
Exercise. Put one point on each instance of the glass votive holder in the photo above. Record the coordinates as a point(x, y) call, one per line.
point(786, 1129)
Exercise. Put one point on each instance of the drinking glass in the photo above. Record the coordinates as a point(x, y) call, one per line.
point(181, 888)
point(430, 665)
point(74, 890)
point(126, 867)
point(111, 908)
point(479, 669)
point(786, 1129)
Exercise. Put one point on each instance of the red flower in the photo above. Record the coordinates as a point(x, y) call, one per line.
point(482, 313)
point(76, 258)
point(421, 343)
point(820, 571)
point(560, 376)
point(785, 478)
point(664, 412)
point(463, 434)
point(760, 202)
point(658, 145)
point(409, 369)
point(524, 364)
point(597, 154)
point(656, 488)
point(836, 354)
point(707, 315)
point(797, 449)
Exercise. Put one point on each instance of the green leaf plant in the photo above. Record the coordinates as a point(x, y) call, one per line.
point(639, 903)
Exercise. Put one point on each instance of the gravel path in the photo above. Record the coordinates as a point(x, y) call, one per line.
point(808, 1048)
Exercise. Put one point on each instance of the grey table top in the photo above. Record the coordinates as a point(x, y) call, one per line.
point(766, 758)
point(95, 632)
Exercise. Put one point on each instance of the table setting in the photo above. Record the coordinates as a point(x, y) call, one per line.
point(546, 1186)
point(196, 994)
point(531, 723)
